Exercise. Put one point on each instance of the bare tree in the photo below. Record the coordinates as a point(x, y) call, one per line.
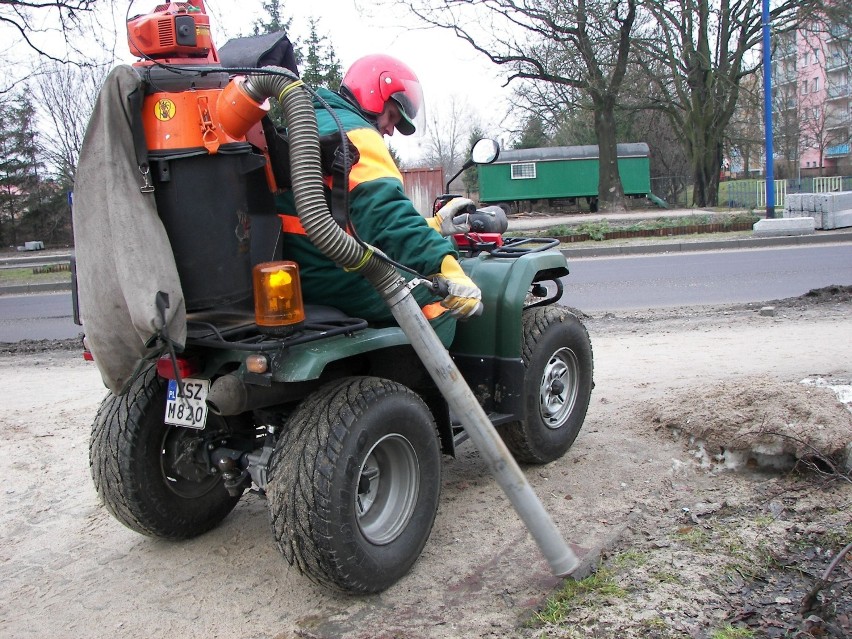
point(39, 31)
point(707, 47)
point(25, 19)
point(575, 44)
point(66, 97)
point(785, 109)
point(447, 135)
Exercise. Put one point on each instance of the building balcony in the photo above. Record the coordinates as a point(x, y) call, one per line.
point(836, 62)
point(839, 32)
point(788, 104)
point(785, 47)
point(836, 151)
point(835, 122)
point(839, 91)
point(782, 79)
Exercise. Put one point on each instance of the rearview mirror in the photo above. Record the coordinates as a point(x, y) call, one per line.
point(485, 151)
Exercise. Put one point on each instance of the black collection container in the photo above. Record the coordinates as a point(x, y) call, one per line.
point(206, 202)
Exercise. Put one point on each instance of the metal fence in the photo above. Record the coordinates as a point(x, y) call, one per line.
point(751, 194)
point(675, 190)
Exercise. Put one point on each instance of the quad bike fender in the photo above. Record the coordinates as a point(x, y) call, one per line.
point(307, 361)
point(504, 283)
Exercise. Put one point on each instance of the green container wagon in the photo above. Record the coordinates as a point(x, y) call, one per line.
point(561, 173)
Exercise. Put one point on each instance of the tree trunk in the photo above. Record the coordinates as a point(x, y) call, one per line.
point(706, 155)
point(610, 190)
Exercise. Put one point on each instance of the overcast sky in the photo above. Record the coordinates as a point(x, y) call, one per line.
point(446, 65)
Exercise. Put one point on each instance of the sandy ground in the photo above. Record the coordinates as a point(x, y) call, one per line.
point(67, 569)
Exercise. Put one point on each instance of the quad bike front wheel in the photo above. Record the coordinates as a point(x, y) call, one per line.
point(151, 476)
point(557, 355)
point(354, 484)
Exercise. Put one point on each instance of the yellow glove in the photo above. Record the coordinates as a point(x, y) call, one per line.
point(463, 296)
point(443, 221)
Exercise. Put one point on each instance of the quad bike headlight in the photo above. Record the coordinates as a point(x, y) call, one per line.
point(278, 306)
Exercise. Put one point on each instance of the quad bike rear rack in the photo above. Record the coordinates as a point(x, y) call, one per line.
point(235, 329)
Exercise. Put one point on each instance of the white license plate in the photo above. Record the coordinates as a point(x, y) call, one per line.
point(189, 408)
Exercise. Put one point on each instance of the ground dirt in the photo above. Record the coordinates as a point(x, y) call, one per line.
point(672, 482)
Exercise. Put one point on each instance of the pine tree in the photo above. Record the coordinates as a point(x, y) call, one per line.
point(321, 66)
point(275, 22)
point(533, 134)
point(312, 71)
point(318, 64)
point(333, 70)
point(19, 165)
point(470, 179)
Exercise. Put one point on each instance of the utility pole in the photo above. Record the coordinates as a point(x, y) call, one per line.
point(767, 108)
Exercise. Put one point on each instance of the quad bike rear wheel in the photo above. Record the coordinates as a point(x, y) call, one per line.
point(151, 476)
point(354, 484)
point(557, 355)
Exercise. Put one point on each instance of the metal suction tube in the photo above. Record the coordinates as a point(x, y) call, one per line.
point(329, 238)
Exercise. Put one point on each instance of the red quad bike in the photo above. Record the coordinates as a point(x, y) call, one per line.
point(339, 424)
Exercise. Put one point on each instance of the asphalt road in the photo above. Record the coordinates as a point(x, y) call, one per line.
point(717, 277)
point(595, 284)
point(37, 316)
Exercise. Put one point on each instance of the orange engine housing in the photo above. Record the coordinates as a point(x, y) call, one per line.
point(183, 120)
point(180, 120)
point(176, 29)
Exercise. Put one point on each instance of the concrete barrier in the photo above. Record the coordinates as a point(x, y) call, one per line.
point(785, 226)
point(829, 210)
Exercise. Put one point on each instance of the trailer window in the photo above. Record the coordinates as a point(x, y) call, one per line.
point(523, 171)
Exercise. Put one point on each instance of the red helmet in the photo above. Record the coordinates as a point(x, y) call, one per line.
point(375, 79)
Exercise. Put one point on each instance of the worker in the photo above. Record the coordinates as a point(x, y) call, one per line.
point(380, 94)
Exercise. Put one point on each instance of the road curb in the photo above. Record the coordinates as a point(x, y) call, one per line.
point(34, 260)
point(35, 288)
point(714, 245)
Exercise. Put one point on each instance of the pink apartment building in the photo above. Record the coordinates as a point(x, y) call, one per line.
point(812, 107)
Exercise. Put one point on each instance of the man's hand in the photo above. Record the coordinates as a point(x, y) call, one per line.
point(443, 222)
point(463, 296)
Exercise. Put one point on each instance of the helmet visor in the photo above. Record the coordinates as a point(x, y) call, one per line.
point(410, 103)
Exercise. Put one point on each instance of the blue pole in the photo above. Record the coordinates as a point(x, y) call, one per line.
point(767, 108)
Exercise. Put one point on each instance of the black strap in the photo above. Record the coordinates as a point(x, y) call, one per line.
point(134, 107)
point(334, 164)
point(340, 168)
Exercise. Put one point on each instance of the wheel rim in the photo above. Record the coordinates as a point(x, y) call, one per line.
point(559, 388)
point(387, 488)
point(183, 471)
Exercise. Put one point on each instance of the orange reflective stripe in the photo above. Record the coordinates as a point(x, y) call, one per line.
point(375, 161)
point(433, 310)
point(292, 224)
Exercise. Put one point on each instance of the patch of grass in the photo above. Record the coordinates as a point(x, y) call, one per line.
point(665, 577)
point(744, 216)
point(16, 276)
point(574, 594)
point(595, 230)
point(764, 520)
point(558, 230)
point(668, 222)
point(693, 537)
point(655, 623)
point(598, 229)
point(839, 538)
point(730, 632)
point(631, 558)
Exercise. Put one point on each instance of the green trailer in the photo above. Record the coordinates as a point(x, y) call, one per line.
point(561, 174)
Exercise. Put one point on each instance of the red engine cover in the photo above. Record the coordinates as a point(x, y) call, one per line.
point(467, 241)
